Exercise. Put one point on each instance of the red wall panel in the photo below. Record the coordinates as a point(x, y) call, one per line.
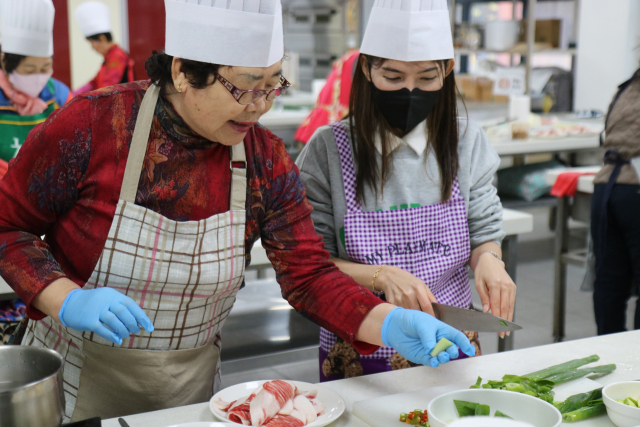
point(146, 31)
point(62, 58)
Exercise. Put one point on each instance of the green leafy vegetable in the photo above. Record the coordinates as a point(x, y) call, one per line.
point(503, 323)
point(442, 345)
point(574, 374)
point(558, 369)
point(585, 413)
point(483, 410)
point(578, 401)
point(465, 409)
point(502, 414)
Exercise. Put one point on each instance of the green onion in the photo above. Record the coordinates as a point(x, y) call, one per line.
point(584, 413)
point(502, 414)
point(483, 410)
point(465, 409)
point(574, 374)
point(558, 369)
point(442, 345)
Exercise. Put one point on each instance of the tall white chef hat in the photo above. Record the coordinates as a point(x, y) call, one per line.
point(244, 33)
point(409, 30)
point(94, 18)
point(27, 27)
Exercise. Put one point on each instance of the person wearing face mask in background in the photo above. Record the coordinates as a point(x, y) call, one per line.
point(95, 23)
point(402, 189)
point(28, 93)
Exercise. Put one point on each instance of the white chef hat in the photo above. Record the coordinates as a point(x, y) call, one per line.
point(244, 33)
point(94, 18)
point(409, 30)
point(27, 27)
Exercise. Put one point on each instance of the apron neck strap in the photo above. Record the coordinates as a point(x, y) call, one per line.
point(238, 178)
point(138, 148)
point(346, 160)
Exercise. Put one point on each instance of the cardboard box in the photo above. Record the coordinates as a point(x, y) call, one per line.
point(547, 32)
point(480, 89)
point(467, 86)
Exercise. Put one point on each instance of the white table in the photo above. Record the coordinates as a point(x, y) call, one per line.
point(578, 208)
point(621, 349)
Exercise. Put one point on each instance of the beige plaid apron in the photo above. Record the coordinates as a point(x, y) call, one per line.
point(184, 275)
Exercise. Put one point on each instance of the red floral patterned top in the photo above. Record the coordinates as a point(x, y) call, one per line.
point(66, 181)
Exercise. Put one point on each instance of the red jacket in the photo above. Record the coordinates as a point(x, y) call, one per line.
point(116, 69)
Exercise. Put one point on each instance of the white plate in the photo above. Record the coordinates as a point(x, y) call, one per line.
point(334, 405)
point(204, 424)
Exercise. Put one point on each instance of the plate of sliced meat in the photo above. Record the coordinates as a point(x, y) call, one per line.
point(277, 403)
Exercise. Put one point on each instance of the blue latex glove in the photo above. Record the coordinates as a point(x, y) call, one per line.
point(414, 335)
point(106, 312)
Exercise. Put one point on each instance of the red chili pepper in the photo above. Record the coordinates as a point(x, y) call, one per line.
point(410, 416)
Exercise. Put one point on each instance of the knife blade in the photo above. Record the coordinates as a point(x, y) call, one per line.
point(471, 320)
point(122, 422)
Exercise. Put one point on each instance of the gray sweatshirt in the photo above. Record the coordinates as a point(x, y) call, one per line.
point(410, 183)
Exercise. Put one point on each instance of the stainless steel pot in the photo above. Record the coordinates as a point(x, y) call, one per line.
point(31, 393)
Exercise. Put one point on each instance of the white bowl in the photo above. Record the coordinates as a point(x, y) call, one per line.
point(488, 422)
point(622, 415)
point(521, 407)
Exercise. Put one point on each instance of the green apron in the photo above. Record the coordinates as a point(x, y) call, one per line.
point(14, 129)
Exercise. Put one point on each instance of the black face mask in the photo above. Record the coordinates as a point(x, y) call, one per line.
point(405, 109)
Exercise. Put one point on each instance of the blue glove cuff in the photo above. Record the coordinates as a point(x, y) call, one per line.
point(64, 305)
point(385, 326)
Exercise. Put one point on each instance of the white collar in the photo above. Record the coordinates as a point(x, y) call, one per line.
point(416, 139)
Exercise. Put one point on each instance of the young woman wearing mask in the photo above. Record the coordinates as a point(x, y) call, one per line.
point(28, 93)
point(402, 189)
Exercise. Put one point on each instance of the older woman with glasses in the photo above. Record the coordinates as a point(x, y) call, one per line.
point(150, 196)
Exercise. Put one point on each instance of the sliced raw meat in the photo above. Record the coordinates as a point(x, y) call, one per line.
point(222, 405)
point(270, 400)
point(312, 394)
point(319, 407)
point(304, 410)
point(240, 415)
point(284, 421)
point(240, 410)
point(287, 408)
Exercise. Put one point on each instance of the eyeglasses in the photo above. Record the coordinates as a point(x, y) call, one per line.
point(246, 97)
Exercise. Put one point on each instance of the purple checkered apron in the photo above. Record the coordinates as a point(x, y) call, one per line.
point(430, 242)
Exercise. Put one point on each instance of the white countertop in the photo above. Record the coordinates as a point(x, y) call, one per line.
point(621, 349)
point(534, 146)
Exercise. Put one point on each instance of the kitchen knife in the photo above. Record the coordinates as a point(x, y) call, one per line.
point(471, 320)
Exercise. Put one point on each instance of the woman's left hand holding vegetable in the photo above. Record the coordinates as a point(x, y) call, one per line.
point(414, 334)
point(497, 290)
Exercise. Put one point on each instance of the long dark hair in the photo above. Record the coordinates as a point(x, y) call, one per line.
point(366, 120)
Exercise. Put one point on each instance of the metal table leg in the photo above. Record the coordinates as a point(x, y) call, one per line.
point(560, 280)
point(510, 258)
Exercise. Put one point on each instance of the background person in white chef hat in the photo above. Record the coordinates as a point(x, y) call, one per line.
point(28, 93)
point(401, 189)
point(94, 19)
point(150, 197)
